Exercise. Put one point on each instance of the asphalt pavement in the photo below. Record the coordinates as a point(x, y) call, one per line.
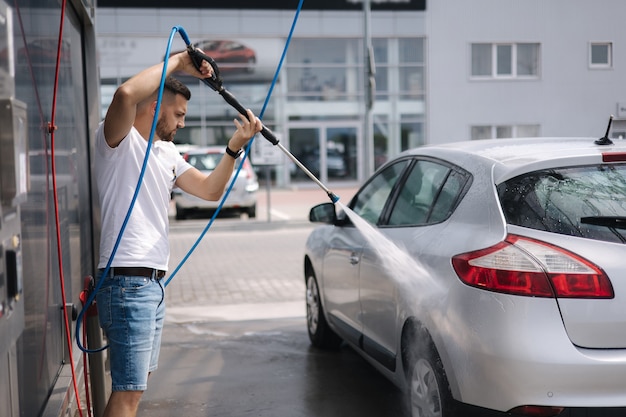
point(275, 208)
point(215, 268)
point(235, 341)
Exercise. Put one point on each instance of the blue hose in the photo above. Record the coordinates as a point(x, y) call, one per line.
point(187, 41)
point(95, 290)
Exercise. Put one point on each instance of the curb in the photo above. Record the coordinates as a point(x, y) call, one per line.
point(238, 225)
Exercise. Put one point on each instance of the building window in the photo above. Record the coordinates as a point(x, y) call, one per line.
point(505, 60)
point(332, 69)
point(503, 131)
point(481, 132)
point(412, 131)
point(324, 69)
point(600, 55)
point(527, 131)
point(411, 68)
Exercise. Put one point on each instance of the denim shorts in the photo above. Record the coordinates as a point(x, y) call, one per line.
point(131, 310)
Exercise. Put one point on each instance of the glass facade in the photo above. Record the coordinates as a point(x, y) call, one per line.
point(326, 90)
point(317, 105)
point(324, 69)
point(55, 234)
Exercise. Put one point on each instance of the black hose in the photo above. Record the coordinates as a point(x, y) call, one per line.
point(215, 82)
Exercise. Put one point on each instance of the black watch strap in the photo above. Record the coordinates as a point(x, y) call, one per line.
point(232, 153)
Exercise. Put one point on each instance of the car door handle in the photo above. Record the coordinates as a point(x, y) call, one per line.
point(354, 258)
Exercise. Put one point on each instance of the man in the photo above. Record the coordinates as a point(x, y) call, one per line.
point(130, 300)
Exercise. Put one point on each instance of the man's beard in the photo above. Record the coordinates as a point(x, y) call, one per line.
point(162, 132)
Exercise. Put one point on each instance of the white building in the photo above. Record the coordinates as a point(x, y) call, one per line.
point(445, 71)
point(516, 68)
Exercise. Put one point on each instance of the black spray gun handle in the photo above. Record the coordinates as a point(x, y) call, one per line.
point(215, 82)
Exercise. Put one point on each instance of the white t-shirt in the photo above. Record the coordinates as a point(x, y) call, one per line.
point(144, 242)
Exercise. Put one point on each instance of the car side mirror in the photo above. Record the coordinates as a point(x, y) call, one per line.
point(323, 213)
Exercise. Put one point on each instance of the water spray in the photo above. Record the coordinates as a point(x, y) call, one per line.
point(216, 84)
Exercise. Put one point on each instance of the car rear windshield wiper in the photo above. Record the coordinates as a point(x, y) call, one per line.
point(617, 222)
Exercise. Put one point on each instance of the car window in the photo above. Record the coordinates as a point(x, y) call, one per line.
point(419, 193)
point(204, 162)
point(448, 196)
point(556, 200)
point(370, 201)
point(207, 161)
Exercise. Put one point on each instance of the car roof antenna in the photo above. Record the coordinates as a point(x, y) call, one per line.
point(605, 140)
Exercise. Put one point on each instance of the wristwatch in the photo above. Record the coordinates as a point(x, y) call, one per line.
point(232, 153)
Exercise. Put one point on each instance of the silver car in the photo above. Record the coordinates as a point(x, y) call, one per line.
point(242, 197)
point(493, 278)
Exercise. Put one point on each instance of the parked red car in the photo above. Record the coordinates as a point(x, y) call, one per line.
point(230, 56)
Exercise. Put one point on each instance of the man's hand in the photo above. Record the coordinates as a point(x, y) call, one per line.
point(211, 187)
point(187, 66)
point(246, 129)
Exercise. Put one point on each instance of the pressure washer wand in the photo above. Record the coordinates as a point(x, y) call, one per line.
point(215, 82)
point(300, 165)
point(230, 99)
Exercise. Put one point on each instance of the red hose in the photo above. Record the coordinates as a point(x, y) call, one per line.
point(51, 128)
point(86, 374)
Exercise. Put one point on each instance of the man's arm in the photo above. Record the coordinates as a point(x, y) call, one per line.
point(212, 187)
point(123, 108)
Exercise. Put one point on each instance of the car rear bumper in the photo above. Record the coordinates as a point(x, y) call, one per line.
point(532, 362)
point(189, 202)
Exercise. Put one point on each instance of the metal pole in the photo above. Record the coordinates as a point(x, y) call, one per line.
point(96, 366)
point(369, 90)
point(268, 179)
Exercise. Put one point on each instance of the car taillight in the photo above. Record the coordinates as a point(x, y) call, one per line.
point(247, 169)
point(613, 156)
point(529, 267)
point(537, 411)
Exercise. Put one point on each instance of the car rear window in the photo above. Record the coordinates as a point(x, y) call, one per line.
point(207, 161)
point(588, 201)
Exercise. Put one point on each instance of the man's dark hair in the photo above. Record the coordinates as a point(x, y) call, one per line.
point(176, 87)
